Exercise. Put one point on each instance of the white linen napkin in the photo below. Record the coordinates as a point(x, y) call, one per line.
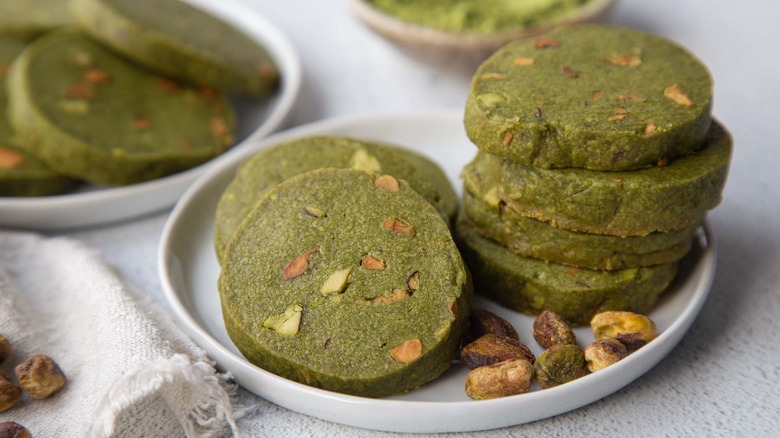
point(130, 372)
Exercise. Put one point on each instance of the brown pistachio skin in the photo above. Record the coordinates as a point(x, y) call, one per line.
point(603, 353)
point(551, 329)
point(500, 379)
point(40, 377)
point(490, 349)
point(12, 429)
point(559, 364)
point(9, 394)
point(482, 322)
point(633, 341)
point(5, 348)
point(634, 330)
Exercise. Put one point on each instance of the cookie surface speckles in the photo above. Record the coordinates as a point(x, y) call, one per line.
point(532, 238)
point(90, 114)
point(530, 285)
point(590, 96)
point(630, 203)
point(272, 166)
point(181, 41)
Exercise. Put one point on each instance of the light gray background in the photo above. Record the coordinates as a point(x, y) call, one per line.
point(722, 379)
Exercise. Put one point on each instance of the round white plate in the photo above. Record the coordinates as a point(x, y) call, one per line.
point(91, 205)
point(189, 270)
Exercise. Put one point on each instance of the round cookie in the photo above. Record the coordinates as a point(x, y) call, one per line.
point(591, 96)
point(532, 238)
point(27, 19)
point(21, 174)
point(280, 162)
point(89, 114)
point(632, 203)
point(181, 41)
point(531, 285)
point(346, 281)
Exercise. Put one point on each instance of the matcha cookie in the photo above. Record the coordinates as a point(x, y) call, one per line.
point(633, 203)
point(27, 19)
point(21, 174)
point(181, 41)
point(531, 285)
point(346, 281)
point(89, 114)
point(272, 166)
point(591, 96)
point(532, 238)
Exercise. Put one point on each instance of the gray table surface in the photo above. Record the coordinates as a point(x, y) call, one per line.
point(722, 379)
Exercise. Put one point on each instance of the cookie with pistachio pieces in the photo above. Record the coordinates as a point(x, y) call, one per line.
point(274, 165)
point(529, 237)
point(90, 114)
point(346, 281)
point(593, 96)
point(531, 285)
point(667, 197)
point(21, 174)
point(182, 41)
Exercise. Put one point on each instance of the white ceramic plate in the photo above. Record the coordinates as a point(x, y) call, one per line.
point(189, 271)
point(91, 205)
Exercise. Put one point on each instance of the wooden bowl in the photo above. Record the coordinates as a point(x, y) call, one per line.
point(428, 39)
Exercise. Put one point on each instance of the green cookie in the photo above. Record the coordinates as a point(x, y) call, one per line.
point(532, 238)
point(631, 203)
point(21, 174)
point(531, 285)
point(346, 281)
point(27, 19)
point(91, 115)
point(179, 40)
point(272, 166)
point(591, 96)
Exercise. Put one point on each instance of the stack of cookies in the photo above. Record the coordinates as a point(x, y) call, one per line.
point(598, 160)
point(116, 95)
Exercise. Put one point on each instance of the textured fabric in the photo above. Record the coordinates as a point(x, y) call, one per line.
point(129, 372)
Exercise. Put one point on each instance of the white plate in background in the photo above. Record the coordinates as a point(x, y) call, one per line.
point(91, 205)
point(189, 271)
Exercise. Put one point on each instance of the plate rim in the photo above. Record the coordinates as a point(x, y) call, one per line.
point(35, 212)
point(641, 361)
